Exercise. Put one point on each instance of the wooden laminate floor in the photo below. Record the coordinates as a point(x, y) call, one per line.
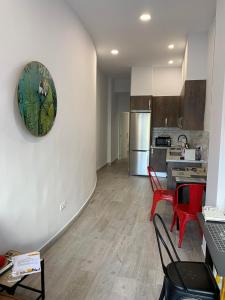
point(110, 252)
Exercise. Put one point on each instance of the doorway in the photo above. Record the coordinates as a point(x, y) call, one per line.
point(124, 135)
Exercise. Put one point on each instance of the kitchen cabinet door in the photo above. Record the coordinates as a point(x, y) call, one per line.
point(158, 159)
point(141, 103)
point(192, 105)
point(165, 111)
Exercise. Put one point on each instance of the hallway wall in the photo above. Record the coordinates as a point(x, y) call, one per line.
point(102, 119)
point(38, 174)
point(120, 103)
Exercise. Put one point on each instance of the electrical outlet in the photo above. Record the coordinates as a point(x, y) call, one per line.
point(62, 206)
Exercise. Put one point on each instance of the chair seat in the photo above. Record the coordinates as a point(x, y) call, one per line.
point(197, 277)
point(165, 194)
point(169, 193)
point(184, 209)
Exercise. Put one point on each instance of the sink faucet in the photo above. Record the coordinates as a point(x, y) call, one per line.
point(184, 144)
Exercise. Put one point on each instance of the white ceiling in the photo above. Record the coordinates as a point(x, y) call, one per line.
point(115, 24)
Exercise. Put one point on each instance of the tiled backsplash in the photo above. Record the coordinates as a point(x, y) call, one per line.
point(195, 138)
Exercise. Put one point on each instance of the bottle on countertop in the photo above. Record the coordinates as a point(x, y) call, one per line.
point(198, 153)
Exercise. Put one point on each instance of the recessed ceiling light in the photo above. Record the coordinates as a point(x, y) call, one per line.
point(145, 17)
point(170, 62)
point(114, 52)
point(171, 46)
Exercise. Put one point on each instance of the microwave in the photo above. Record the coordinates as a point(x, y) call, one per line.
point(163, 141)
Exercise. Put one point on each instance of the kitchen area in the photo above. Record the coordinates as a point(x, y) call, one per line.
point(169, 107)
point(176, 100)
point(167, 133)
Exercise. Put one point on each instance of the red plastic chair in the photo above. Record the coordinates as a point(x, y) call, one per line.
point(187, 212)
point(159, 193)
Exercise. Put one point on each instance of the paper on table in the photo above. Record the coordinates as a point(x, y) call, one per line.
point(24, 264)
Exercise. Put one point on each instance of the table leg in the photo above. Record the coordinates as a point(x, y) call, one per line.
point(43, 279)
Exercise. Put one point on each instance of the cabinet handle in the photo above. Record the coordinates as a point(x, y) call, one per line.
point(152, 151)
point(149, 104)
point(180, 122)
point(166, 122)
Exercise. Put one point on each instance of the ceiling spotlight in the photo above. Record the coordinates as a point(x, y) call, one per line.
point(170, 62)
point(114, 52)
point(171, 46)
point(145, 17)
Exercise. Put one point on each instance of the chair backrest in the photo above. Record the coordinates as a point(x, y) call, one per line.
point(196, 192)
point(161, 242)
point(154, 180)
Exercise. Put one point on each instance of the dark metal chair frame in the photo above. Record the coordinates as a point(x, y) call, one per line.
point(172, 291)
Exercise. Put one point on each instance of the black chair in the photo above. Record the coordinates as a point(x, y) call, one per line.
point(182, 279)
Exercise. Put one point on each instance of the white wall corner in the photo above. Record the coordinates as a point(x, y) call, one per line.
point(109, 121)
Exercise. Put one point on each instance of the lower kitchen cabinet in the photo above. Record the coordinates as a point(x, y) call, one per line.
point(158, 159)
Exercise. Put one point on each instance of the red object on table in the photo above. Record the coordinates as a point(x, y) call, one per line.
point(187, 212)
point(159, 194)
point(2, 261)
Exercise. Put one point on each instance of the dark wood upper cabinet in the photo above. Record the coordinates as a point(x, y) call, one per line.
point(185, 111)
point(141, 103)
point(165, 111)
point(192, 105)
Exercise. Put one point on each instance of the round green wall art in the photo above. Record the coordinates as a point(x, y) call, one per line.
point(37, 98)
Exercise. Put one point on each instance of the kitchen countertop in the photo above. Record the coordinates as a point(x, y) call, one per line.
point(176, 157)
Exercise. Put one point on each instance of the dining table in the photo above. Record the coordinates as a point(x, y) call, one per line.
point(189, 175)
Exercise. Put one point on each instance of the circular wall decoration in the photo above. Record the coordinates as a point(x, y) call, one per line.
point(37, 98)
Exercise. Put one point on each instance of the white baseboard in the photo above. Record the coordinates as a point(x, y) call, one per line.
point(57, 235)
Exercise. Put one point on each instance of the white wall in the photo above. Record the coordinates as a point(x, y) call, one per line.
point(118, 101)
point(123, 100)
point(121, 103)
point(102, 119)
point(141, 81)
point(156, 81)
point(109, 122)
point(196, 57)
point(37, 174)
point(121, 85)
point(166, 81)
point(211, 49)
point(114, 129)
point(216, 163)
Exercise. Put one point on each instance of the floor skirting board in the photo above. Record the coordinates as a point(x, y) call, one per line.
point(99, 169)
point(113, 162)
point(50, 242)
point(109, 164)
